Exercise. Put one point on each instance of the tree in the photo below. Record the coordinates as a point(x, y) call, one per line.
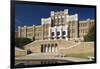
point(20, 42)
point(91, 34)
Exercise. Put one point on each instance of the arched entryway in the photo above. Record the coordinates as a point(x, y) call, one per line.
point(48, 48)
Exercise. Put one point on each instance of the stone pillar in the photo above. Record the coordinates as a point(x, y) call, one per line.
point(51, 48)
point(25, 31)
point(76, 25)
point(88, 22)
point(59, 20)
point(55, 48)
point(61, 33)
point(49, 35)
point(19, 31)
point(46, 49)
point(43, 27)
point(56, 21)
point(33, 32)
point(55, 33)
point(65, 16)
point(66, 31)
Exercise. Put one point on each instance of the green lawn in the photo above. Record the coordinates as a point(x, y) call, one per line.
point(81, 55)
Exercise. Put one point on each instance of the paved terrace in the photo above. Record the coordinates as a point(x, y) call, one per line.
point(50, 56)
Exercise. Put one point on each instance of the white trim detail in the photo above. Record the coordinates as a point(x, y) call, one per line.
point(58, 29)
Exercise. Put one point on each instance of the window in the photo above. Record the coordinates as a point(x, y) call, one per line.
point(48, 44)
point(63, 32)
point(42, 48)
point(56, 21)
point(59, 21)
point(58, 37)
point(29, 51)
point(58, 33)
point(56, 44)
point(52, 33)
point(52, 38)
point(52, 22)
point(62, 21)
point(52, 44)
point(63, 37)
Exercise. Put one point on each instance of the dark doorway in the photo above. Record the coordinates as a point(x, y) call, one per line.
point(42, 48)
point(28, 51)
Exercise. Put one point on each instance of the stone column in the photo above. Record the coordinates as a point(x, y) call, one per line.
point(51, 48)
point(59, 20)
point(76, 26)
point(33, 32)
point(25, 31)
point(46, 49)
point(49, 35)
point(19, 31)
point(55, 33)
point(60, 32)
point(55, 48)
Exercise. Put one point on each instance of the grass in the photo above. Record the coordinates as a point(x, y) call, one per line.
point(80, 55)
